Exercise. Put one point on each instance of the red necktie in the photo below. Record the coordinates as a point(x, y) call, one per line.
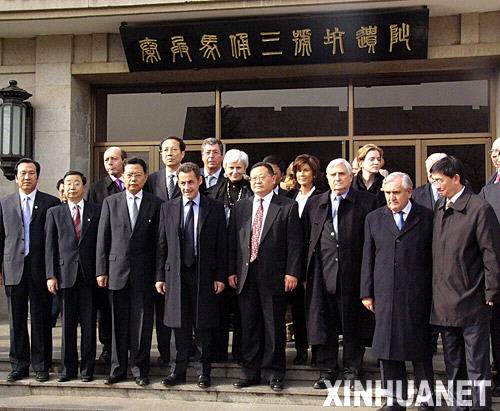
point(77, 222)
point(256, 229)
point(497, 180)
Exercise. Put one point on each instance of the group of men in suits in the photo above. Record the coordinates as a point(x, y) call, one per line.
point(160, 247)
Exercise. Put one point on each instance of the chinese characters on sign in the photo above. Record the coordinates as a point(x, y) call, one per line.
point(282, 40)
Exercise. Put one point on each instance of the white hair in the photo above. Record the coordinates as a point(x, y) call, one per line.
point(405, 180)
point(237, 156)
point(433, 158)
point(337, 162)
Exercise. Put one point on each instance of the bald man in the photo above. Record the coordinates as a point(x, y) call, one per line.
point(113, 158)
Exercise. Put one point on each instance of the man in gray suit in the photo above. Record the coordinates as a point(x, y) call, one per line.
point(22, 257)
point(125, 263)
point(71, 236)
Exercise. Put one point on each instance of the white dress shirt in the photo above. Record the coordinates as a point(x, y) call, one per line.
point(405, 211)
point(265, 205)
point(208, 176)
point(455, 197)
point(32, 199)
point(72, 206)
point(130, 202)
point(301, 199)
point(196, 210)
point(168, 174)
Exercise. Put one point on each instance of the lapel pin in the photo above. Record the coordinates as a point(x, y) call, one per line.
point(36, 207)
point(88, 219)
point(149, 220)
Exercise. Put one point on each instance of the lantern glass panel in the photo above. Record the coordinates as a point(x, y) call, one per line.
point(6, 114)
point(16, 129)
point(23, 132)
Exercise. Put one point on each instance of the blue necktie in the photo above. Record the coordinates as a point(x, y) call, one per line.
point(26, 223)
point(399, 220)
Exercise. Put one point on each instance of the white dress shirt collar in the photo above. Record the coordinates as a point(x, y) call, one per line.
point(405, 210)
point(455, 197)
point(72, 205)
point(195, 200)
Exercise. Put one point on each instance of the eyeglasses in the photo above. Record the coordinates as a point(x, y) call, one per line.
point(259, 178)
point(437, 181)
point(135, 175)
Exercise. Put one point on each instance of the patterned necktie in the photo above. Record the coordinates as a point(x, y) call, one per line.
point(189, 254)
point(449, 204)
point(256, 229)
point(335, 210)
point(211, 181)
point(170, 186)
point(135, 212)
point(400, 222)
point(119, 184)
point(26, 224)
point(77, 221)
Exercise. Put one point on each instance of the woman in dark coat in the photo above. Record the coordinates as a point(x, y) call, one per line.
point(229, 191)
point(370, 161)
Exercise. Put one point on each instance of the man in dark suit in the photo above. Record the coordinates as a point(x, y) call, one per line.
point(427, 194)
point(163, 184)
point(114, 158)
point(71, 237)
point(126, 257)
point(495, 159)
point(334, 225)
point(278, 166)
point(396, 284)
point(22, 258)
point(212, 173)
point(466, 279)
point(191, 270)
point(265, 243)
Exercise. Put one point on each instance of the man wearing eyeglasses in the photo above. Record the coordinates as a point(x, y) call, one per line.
point(125, 263)
point(163, 184)
point(491, 193)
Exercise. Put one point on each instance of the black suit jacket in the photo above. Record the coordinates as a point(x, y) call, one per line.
point(280, 248)
point(63, 252)
point(203, 188)
point(125, 254)
point(491, 193)
point(423, 196)
point(101, 189)
point(211, 259)
point(12, 237)
point(157, 184)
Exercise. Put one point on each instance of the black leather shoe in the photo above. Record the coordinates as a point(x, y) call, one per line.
point(114, 380)
point(142, 381)
point(17, 375)
point(173, 379)
point(87, 379)
point(321, 383)
point(42, 376)
point(350, 378)
point(242, 383)
point(204, 381)
point(163, 361)
point(276, 384)
point(66, 378)
point(301, 358)
point(386, 407)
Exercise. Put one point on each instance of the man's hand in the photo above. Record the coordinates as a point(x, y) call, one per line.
point(102, 281)
point(290, 282)
point(369, 303)
point(233, 281)
point(218, 287)
point(52, 285)
point(161, 287)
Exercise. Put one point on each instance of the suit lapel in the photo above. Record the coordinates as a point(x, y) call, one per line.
point(203, 212)
point(124, 210)
point(272, 212)
point(16, 198)
point(142, 212)
point(320, 218)
point(247, 223)
point(87, 217)
point(68, 219)
point(411, 221)
point(36, 206)
point(161, 183)
point(390, 223)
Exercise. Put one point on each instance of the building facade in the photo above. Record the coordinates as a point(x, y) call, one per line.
point(70, 56)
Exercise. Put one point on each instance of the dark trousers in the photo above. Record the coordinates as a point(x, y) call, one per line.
point(41, 331)
point(467, 357)
point(78, 306)
point(297, 300)
point(132, 310)
point(104, 320)
point(495, 341)
point(353, 347)
point(163, 333)
point(263, 339)
point(184, 334)
point(395, 371)
point(229, 313)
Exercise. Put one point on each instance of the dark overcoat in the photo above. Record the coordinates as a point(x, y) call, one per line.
point(397, 274)
point(466, 262)
point(357, 321)
point(212, 260)
point(101, 189)
point(157, 184)
point(491, 193)
point(423, 196)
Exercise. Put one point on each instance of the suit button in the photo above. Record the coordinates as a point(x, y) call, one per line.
point(336, 259)
point(395, 265)
point(247, 263)
point(332, 233)
point(338, 246)
point(398, 240)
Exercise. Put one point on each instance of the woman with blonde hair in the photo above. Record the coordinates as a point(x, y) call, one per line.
point(370, 160)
